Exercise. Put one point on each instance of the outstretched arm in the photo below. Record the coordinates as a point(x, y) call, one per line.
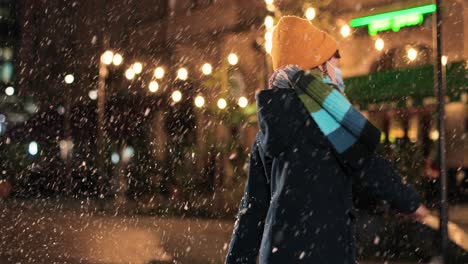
point(248, 229)
point(380, 177)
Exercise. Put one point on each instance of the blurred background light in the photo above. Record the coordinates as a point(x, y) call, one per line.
point(182, 74)
point(176, 96)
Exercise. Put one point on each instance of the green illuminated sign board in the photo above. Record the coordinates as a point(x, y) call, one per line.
point(394, 20)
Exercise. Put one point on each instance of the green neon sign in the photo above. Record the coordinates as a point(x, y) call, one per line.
point(394, 20)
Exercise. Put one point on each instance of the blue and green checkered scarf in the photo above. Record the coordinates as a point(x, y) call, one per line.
point(352, 136)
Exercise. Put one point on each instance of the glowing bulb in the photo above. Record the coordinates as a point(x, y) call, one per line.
point(222, 103)
point(69, 79)
point(345, 31)
point(137, 67)
point(115, 158)
point(117, 60)
point(268, 35)
point(310, 13)
point(153, 86)
point(434, 135)
point(269, 2)
point(269, 22)
point(268, 46)
point(379, 44)
point(129, 74)
point(107, 57)
point(176, 96)
point(159, 73)
point(271, 7)
point(182, 74)
point(412, 54)
point(243, 102)
point(10, 91)
point(33, 148)
point(207, 69)
point(92, 94)
point(233, 59)
point(199, 101)
point(444, 60)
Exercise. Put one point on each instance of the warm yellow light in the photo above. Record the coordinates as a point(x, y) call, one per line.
point(129, 74)
point(310, 13)
point(379, 44)
point(107, 57)
point(153, 86)
point(199, 101)
point(117, 59)
point(243, 102)
point(444, 60)
point(271, 8)
point(268, 46)
point(207, 69)
point(412, 54)
point(222, 103)
point(176, 96)
point(345, 31)
point(269, 2)
point(269, 22)
point(268, 35)
point(434, 135)
point(69, 78)
point(137, 67)
point(182, 74)
point(159, 73)
point(233, 59)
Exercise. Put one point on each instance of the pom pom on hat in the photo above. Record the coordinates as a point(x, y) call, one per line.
point(296, 41)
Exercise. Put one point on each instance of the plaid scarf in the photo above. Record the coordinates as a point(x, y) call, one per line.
point(352, 136)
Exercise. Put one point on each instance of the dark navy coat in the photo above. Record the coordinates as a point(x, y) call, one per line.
point(297, 204)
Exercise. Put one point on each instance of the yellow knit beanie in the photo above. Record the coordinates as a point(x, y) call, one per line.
point(297, 41)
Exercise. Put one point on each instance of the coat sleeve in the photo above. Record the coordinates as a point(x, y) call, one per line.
point(381, 179)
point(248, 229)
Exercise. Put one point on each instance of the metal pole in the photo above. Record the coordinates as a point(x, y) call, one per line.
point(101, 106)
point(441, 125)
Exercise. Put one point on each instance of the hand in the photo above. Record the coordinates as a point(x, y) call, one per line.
point(420, 214)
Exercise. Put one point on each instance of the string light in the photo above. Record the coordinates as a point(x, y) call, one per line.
point(269, 22)
point(379, 44)
point(412, 54)
point(310, 13)
point(243, 102)
point(233, 59)
point(222, 103)
point(117, 59)
point(159, 73)
point(182, 74)
point(153, 86)
point(345, 31)
point(207, 69)
point(69, 78)
point(107, 57)
point(176, 96)
point(137, 67)
point(129, 74)
point(199, 101)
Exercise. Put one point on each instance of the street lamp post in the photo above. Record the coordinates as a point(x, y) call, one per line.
point(106, 58)
point(437, 32)
point(101, 105)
